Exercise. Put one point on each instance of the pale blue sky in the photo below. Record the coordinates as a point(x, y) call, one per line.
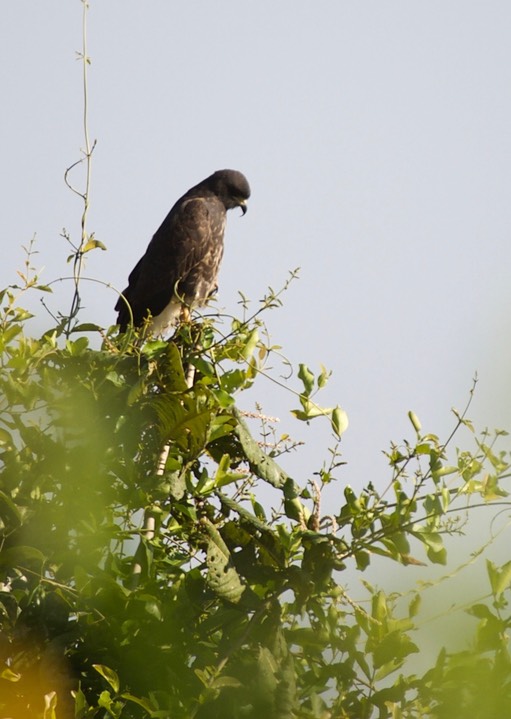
point(377, 140)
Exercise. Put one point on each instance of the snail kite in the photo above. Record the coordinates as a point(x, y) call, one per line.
point(180, 267)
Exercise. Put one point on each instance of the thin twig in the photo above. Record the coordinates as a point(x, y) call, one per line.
point(78, 259)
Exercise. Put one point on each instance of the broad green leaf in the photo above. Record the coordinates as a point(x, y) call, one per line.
point(363, 559)
point(8, 334)
point(500, 577)
point(413, 607)
point(152, 606)
point(21, 556)
point(77, 347)
point(393, 648)
point(339, 421)
point(233, 380)
point(264, 466)
point(81, 705)
point(142, 702)
point(432, 540)
point(481, 611)
point(109, 674)
point(266, 678)
point(221, 426)
point(307, 378)
point(258, 508)
point(137, 390)
point(9, 512)
point(223, 474)
point(437, 557)
point(221, 576)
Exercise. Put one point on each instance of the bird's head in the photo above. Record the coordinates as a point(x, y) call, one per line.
point(231, 187)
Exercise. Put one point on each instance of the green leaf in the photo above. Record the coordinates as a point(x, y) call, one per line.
point(481, 611)
point(261, 464)
point(233, 380)
point(9, 675)
point(432, 540)
point(394, 647)
point(413, 607)
point(323, 377)
point(21, 557)
point(307, 378)
point(105, 701)
point(339, 421)
point(224, 682)
point(50, 704)
point(87, 327)
point(92, 244)
point(258, 508)
point(251, 344)
point(300, 414)
point(9, 333)
point(500, 577)
point(152, 606)
point(222, 576)
point(223, 476)
point(109, 674)
point(439, 557)
point(9, 512)
point(446, 470)
point(363, 559)
point(141, 702)
point(81, 705)
point(415, 421)
point(136, 391)
point(266, 678)
point(77, 347)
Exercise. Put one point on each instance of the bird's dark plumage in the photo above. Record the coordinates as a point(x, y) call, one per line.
point(181, 263)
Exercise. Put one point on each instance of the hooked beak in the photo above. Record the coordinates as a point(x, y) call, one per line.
point(243, 205)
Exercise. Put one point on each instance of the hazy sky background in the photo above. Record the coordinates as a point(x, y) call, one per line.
point(377, 140)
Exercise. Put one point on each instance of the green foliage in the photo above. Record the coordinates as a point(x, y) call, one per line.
point(136, 584)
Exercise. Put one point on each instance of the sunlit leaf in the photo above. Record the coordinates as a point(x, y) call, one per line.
point(307, 377)
point(9, 675)
point(339, 421)
point(415, 421)
point(109, 674)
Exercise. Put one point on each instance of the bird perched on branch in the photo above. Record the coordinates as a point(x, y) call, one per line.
point(180, 267)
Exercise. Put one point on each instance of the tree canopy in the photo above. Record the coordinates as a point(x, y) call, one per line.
point(143, 576)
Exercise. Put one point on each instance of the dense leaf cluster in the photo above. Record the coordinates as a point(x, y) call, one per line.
point(142, 574)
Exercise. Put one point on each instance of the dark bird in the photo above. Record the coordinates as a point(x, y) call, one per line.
point(180, 267)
